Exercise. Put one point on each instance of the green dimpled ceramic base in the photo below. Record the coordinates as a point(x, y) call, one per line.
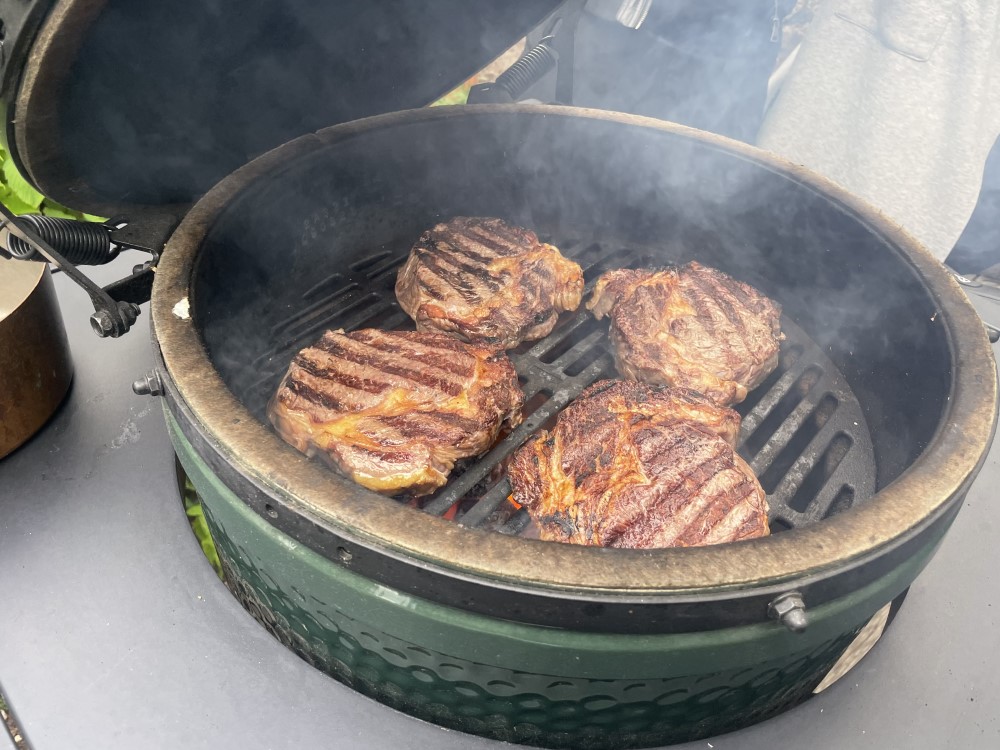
point(515, 682)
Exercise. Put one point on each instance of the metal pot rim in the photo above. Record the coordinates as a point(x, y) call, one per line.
point(921, 494)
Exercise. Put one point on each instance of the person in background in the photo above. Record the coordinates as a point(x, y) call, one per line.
point(899, 102)
point(701, 64)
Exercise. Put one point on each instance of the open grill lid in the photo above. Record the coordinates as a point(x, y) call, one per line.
point(111, 102)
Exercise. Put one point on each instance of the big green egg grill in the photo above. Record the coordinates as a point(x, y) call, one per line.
point(866, 438)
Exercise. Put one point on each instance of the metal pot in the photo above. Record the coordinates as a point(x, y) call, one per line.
point(545, 643)
point(35, 366)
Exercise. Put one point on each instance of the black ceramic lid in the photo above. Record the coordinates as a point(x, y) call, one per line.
point(117, 102)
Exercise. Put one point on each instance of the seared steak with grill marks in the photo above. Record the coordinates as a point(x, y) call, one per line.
point(394, 410)
point(694, 327)
point(486, 280)
point(635, 465)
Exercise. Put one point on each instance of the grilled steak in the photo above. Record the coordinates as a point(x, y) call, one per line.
point(486, 280)
point(394, 410)
point(635, 465)
point(693, 327)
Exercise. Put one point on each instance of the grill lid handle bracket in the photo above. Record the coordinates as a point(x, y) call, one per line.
point(553, 51)
point(116, 306)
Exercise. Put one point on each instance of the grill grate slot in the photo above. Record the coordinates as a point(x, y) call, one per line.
point(340, 315)
point(374, 261)
point(803, 431)
point(532, 404)
point(843, 500)
point(790, 355)
point(778, 525)
point(787, 418)
point(325, 309)
point(589, 359)
point(518, 525)
point(620, 258)
point(387, 318)
point(386, 273)
point(330, 286)
point(584, 329)
point(770, 416)
point(820, 473)
point(797, 444)
point(485, 510)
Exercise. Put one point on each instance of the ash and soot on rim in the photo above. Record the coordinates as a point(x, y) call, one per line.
point(803, 432)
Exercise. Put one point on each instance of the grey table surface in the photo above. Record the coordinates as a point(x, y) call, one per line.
point(6, 741)
point(115, 632)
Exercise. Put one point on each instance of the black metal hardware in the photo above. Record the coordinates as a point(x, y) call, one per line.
point(538, 61)
point(519, 77)
point(148, 385)
point(116, 306)
point(80, 242)
point(979, 289)
point(790, 610)
point(553, 50)
point(564, 40)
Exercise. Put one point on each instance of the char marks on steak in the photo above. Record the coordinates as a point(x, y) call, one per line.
point(694, 327)
point(394, 410)
point(486, 280)
point(634, 465)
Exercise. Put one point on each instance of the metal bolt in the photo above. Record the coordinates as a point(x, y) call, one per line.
point(129, 311)
point(148, 385)
point(790, 610)
point(102, 323)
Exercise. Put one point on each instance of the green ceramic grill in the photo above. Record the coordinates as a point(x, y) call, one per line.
point(866, 437)
point(449, 612)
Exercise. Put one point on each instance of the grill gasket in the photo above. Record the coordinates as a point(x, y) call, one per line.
point(803, 431)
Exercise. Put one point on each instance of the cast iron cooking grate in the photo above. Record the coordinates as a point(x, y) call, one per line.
point(803, 432)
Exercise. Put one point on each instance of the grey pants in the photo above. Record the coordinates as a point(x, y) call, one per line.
point(899, 102)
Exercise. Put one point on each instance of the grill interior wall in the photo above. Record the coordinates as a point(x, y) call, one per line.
point(322, 240)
